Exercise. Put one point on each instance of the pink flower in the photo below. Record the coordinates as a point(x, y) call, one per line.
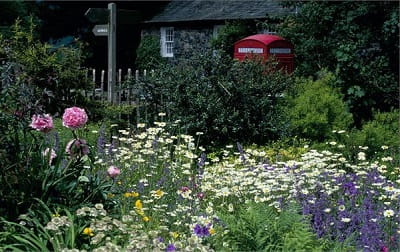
point(43, 123)
point(113, 171)
point(184, 189)
point(77, 147)
point(53, 154)
point(74, 118)
point(200, 195)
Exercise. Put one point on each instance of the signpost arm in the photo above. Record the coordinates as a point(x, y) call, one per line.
point(112, 52)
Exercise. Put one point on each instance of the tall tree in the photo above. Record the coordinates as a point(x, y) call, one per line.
point(12, 10)
point(358, 41)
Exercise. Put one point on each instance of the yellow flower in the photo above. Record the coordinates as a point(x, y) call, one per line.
point(140, 212)
point(212, 231)
point(175, 235)
point(127, 194)
point(159, 193)
point(88, 231)
point(138, 204)
point(146, 219)
point(134, 194)
point(119, 182)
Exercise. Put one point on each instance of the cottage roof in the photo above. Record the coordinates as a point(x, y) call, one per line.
point(200, 10)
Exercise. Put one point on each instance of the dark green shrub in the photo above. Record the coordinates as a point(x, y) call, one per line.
point(315, 109)
point(225, 99)
point(56, 72)
point(17, 145)
point(148, 53)
point(382, 130)
point(358, 41)
point(100, 112)
point(231, 32)
point(377, 138)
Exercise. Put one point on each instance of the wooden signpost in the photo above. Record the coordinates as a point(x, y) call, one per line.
point(109, 16)
point(112, 52)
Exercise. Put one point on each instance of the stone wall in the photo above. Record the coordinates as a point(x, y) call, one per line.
point(187, 40)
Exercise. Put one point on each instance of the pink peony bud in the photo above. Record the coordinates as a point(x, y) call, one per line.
point(200, 195)
point(53, 154)
point(77, 147)
point(74, 118)
point(184, 189)
point(113, 171)
point(43, 123)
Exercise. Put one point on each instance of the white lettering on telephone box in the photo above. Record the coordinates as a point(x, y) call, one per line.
point(250, 50)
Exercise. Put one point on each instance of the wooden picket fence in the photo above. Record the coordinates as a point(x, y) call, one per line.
point(127, 89)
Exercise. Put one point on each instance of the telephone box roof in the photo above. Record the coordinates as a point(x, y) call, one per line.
point(263, 38)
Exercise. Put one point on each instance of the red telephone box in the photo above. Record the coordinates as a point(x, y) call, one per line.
point(265, 46)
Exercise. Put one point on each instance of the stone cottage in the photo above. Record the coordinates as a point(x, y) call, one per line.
point(187, 26)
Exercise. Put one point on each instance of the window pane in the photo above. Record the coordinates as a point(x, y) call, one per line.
point(169, 47)
point(169, 34)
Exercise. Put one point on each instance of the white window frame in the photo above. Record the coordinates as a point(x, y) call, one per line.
point(167, 41)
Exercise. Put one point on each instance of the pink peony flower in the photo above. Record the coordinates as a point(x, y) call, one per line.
point(113, 171)
point(77, 147)
point(43, 123)
point(53, 154)
point(74, 118)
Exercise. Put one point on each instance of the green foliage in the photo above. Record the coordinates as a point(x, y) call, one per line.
point(382, 130)
point(26, 173)
point(358, 41)
point(148, 53)
point(380, 135)
point(101, 112)
point(285, 149)
point(18, 148)
point(316, 109)
point(89, 133)
point(232, 32)
point(11, 10)
point(56, 72)
point(226, 100)
point(31, 235)
point(258, 227)
point(119, 114)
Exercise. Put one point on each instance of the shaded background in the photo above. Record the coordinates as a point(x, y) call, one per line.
point(61, 22)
